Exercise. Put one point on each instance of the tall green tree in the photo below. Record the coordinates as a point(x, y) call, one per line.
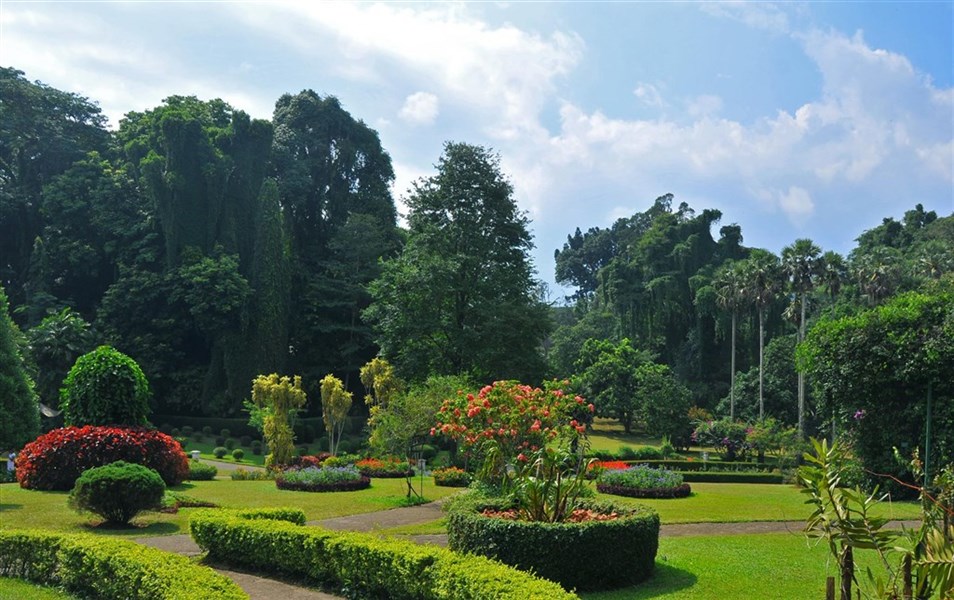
point(763, 277)
point(460, 298)
point(730, 284)
point(19, 410)
point(54, 345)
point(42, 132)
point(608, 375)
point(802, 266)
point(334, 182)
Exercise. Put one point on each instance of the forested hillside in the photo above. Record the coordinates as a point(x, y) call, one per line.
point(212, 247)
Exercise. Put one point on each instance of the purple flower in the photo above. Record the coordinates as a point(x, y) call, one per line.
point(860, 414)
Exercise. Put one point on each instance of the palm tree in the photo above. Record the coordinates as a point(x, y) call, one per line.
point(763, 279)
point(878, 273)
point(834, 272)
point(729, 285)
point(802, 266)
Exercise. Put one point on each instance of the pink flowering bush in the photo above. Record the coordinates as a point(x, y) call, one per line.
point(507, 421)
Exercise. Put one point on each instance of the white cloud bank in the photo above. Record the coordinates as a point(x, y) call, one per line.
point(420, 108)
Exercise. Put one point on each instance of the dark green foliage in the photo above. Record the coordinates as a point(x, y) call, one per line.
point(585, 556)
point(43, 131)
point(460, 298)
point(366, 565)
point(105, 387)
point(238, 454)
point(54, 345)
point(103, 567)
point(871, 374)
point(200, 471)
point(19, 411)
point(219, 451)
point(723, 477)
point(780, 385)
point(117, 492)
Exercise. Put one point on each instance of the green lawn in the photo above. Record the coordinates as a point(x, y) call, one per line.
point(21, 508)
point(17, 589)
point(771, 566)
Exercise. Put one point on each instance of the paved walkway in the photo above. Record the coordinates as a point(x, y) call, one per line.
point(260, 588)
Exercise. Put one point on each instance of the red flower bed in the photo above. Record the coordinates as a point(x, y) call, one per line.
point(383, 469)
point(54, 460)
point(598, 466)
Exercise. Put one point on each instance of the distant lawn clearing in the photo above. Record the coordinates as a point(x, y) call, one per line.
point(20, 509)
point(773, 566)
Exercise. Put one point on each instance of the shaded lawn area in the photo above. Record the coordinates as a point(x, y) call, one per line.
point(20, 509)
point(772, 566)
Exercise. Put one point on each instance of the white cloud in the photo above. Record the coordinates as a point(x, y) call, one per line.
point(648, 94)
point(761, 15)
point(420, 108)
point(797, 204)
point(704, 106)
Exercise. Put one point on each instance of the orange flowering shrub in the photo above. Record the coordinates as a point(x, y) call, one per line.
point(512, 419)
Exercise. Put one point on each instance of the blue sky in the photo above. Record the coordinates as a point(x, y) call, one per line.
point(794, 119)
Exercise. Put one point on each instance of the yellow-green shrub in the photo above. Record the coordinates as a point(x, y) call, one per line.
point(99, 567)
point(364, 564)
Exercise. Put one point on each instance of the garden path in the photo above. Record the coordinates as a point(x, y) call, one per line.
point(260, 588)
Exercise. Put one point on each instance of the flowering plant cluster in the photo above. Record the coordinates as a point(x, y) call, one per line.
point(513, 419)
point(643, 481)
point(56, 459)
point(451, 477)
point(729, 438)
point(322, 479)
point(596, 467)
point(390, 467)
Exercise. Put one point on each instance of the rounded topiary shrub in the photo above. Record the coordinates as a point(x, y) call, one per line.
point(594, 554)
point(256, 447)
point(219, 451)
point(105, 387)
point(200, 471)
point(238, 454)
point(56, 459)
point(117, 492)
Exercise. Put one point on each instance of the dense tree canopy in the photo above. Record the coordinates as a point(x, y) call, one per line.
point(460, 297)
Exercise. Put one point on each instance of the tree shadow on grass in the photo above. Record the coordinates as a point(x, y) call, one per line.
point(9, 506)
point(132, 530)
point(666, 579)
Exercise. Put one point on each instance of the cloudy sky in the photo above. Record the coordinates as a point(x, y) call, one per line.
point(795, 119)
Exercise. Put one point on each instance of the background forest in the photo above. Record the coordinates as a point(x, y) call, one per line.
point(212, 247)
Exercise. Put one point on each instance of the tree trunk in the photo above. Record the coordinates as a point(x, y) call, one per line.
point(761, 363)
point(847, 572)
point(732, 378)
point(801, 379)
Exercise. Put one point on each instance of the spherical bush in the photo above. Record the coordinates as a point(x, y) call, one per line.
point(56, 459)
point(200, 471)
point(105, 387)
point(117, 492)
point(219, 451)
point(238, 454)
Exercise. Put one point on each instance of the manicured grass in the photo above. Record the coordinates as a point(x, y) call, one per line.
point(21, 508)
point(430, 528)
point(768, 566)
point(17, 589)
point(607, 435)
point(737, 502)
point(206, 446)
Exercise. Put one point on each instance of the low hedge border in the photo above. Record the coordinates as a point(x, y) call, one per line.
point(722, 477)
point(592, 555)
point(680, 491)
point(386, 473)
point(98, 567)
point(363, 564)
point(707, 466)
point(342, 486)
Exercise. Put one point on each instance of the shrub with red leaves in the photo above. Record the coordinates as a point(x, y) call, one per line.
point(54, 460)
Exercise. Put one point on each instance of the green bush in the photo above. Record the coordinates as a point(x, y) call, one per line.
point(585, 556)
point(225, 433)
point(102, 567)
point(345, 447)
point(366, 565)
point(250, 475)
point(256, 447)
point(187, 430)
point(200, 471)
point(230, 443)
point(451, 477)
point(118, 491)
point(238, 454)
point(725, 477)
point(105, 387)
point(712, 465)
point(219, 451)
point(245, 441)
point(198, 436)
point(207, 430)
point(175, 433)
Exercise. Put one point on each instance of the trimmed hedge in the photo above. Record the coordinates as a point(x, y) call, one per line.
point(707, 466)
point(108, 568)
point(200, 471)
point(723, 477)
point(117, 492)
point(363, 483)
point(366, 565)
point(680, 491)
point(54, 460)
point(591, 555)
